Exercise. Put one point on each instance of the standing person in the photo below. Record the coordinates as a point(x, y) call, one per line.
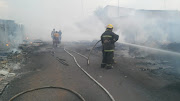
point(56, 38)
point(60, 37)
point(52, 33)
point(108, 39)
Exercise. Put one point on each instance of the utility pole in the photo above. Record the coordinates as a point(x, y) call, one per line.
point(82, 8)
point(118, 8)
point(164, 4)
point(5, 31)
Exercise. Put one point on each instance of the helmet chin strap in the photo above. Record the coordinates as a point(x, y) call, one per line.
point(108, 29)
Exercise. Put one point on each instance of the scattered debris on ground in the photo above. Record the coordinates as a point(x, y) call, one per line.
point(10, 61)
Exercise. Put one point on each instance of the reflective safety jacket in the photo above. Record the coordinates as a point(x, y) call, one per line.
point(108, 38)
point(56, 35)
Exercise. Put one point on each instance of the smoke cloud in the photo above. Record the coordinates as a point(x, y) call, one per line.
point(40, 17)
point(77, 21)
point(145, 27)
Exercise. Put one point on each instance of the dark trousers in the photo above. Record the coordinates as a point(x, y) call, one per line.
point(108, 58)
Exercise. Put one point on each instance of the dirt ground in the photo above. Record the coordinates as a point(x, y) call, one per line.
point(125, 82)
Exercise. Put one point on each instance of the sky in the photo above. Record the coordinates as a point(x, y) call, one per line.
point(148, 4)
point(78, 7)
point(41, 16)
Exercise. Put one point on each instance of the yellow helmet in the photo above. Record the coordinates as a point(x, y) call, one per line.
point(110, 26)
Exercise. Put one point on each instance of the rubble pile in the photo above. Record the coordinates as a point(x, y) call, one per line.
point(13, 60)
point(10, 61)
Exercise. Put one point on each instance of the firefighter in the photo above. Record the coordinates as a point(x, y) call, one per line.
point(60, 37)
point(56, 36)
point(108, 39)
point(52, 33)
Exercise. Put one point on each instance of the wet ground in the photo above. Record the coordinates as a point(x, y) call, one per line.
point(125, 82)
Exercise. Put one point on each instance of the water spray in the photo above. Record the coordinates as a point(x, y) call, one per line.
point(153, 49)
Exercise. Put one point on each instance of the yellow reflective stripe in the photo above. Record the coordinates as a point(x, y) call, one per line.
point(107, 36)
point(109, 50)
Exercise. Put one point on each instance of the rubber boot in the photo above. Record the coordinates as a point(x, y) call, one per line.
point(109, 67)
point(114, 62)
point(103, 65)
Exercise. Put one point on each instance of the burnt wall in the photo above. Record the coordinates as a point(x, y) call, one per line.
point(10, 33)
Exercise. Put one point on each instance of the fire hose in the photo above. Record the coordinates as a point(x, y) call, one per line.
point(88, 62)
point(48, 87)
point(74, 92)
point(106, 91)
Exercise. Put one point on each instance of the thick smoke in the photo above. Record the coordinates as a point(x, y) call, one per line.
point(133, 26)
point(144, 27)
point(41, 17)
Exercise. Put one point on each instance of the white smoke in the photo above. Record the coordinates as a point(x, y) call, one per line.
point(135, 26)
point(40, 17)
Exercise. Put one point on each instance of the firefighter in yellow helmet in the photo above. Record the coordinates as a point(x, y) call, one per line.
point(108, 39)
point(56, 38)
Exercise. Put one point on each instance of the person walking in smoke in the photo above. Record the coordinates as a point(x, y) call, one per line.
point(108, 39)
point(60, 37)
point(55, 35)
point(52, 33)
